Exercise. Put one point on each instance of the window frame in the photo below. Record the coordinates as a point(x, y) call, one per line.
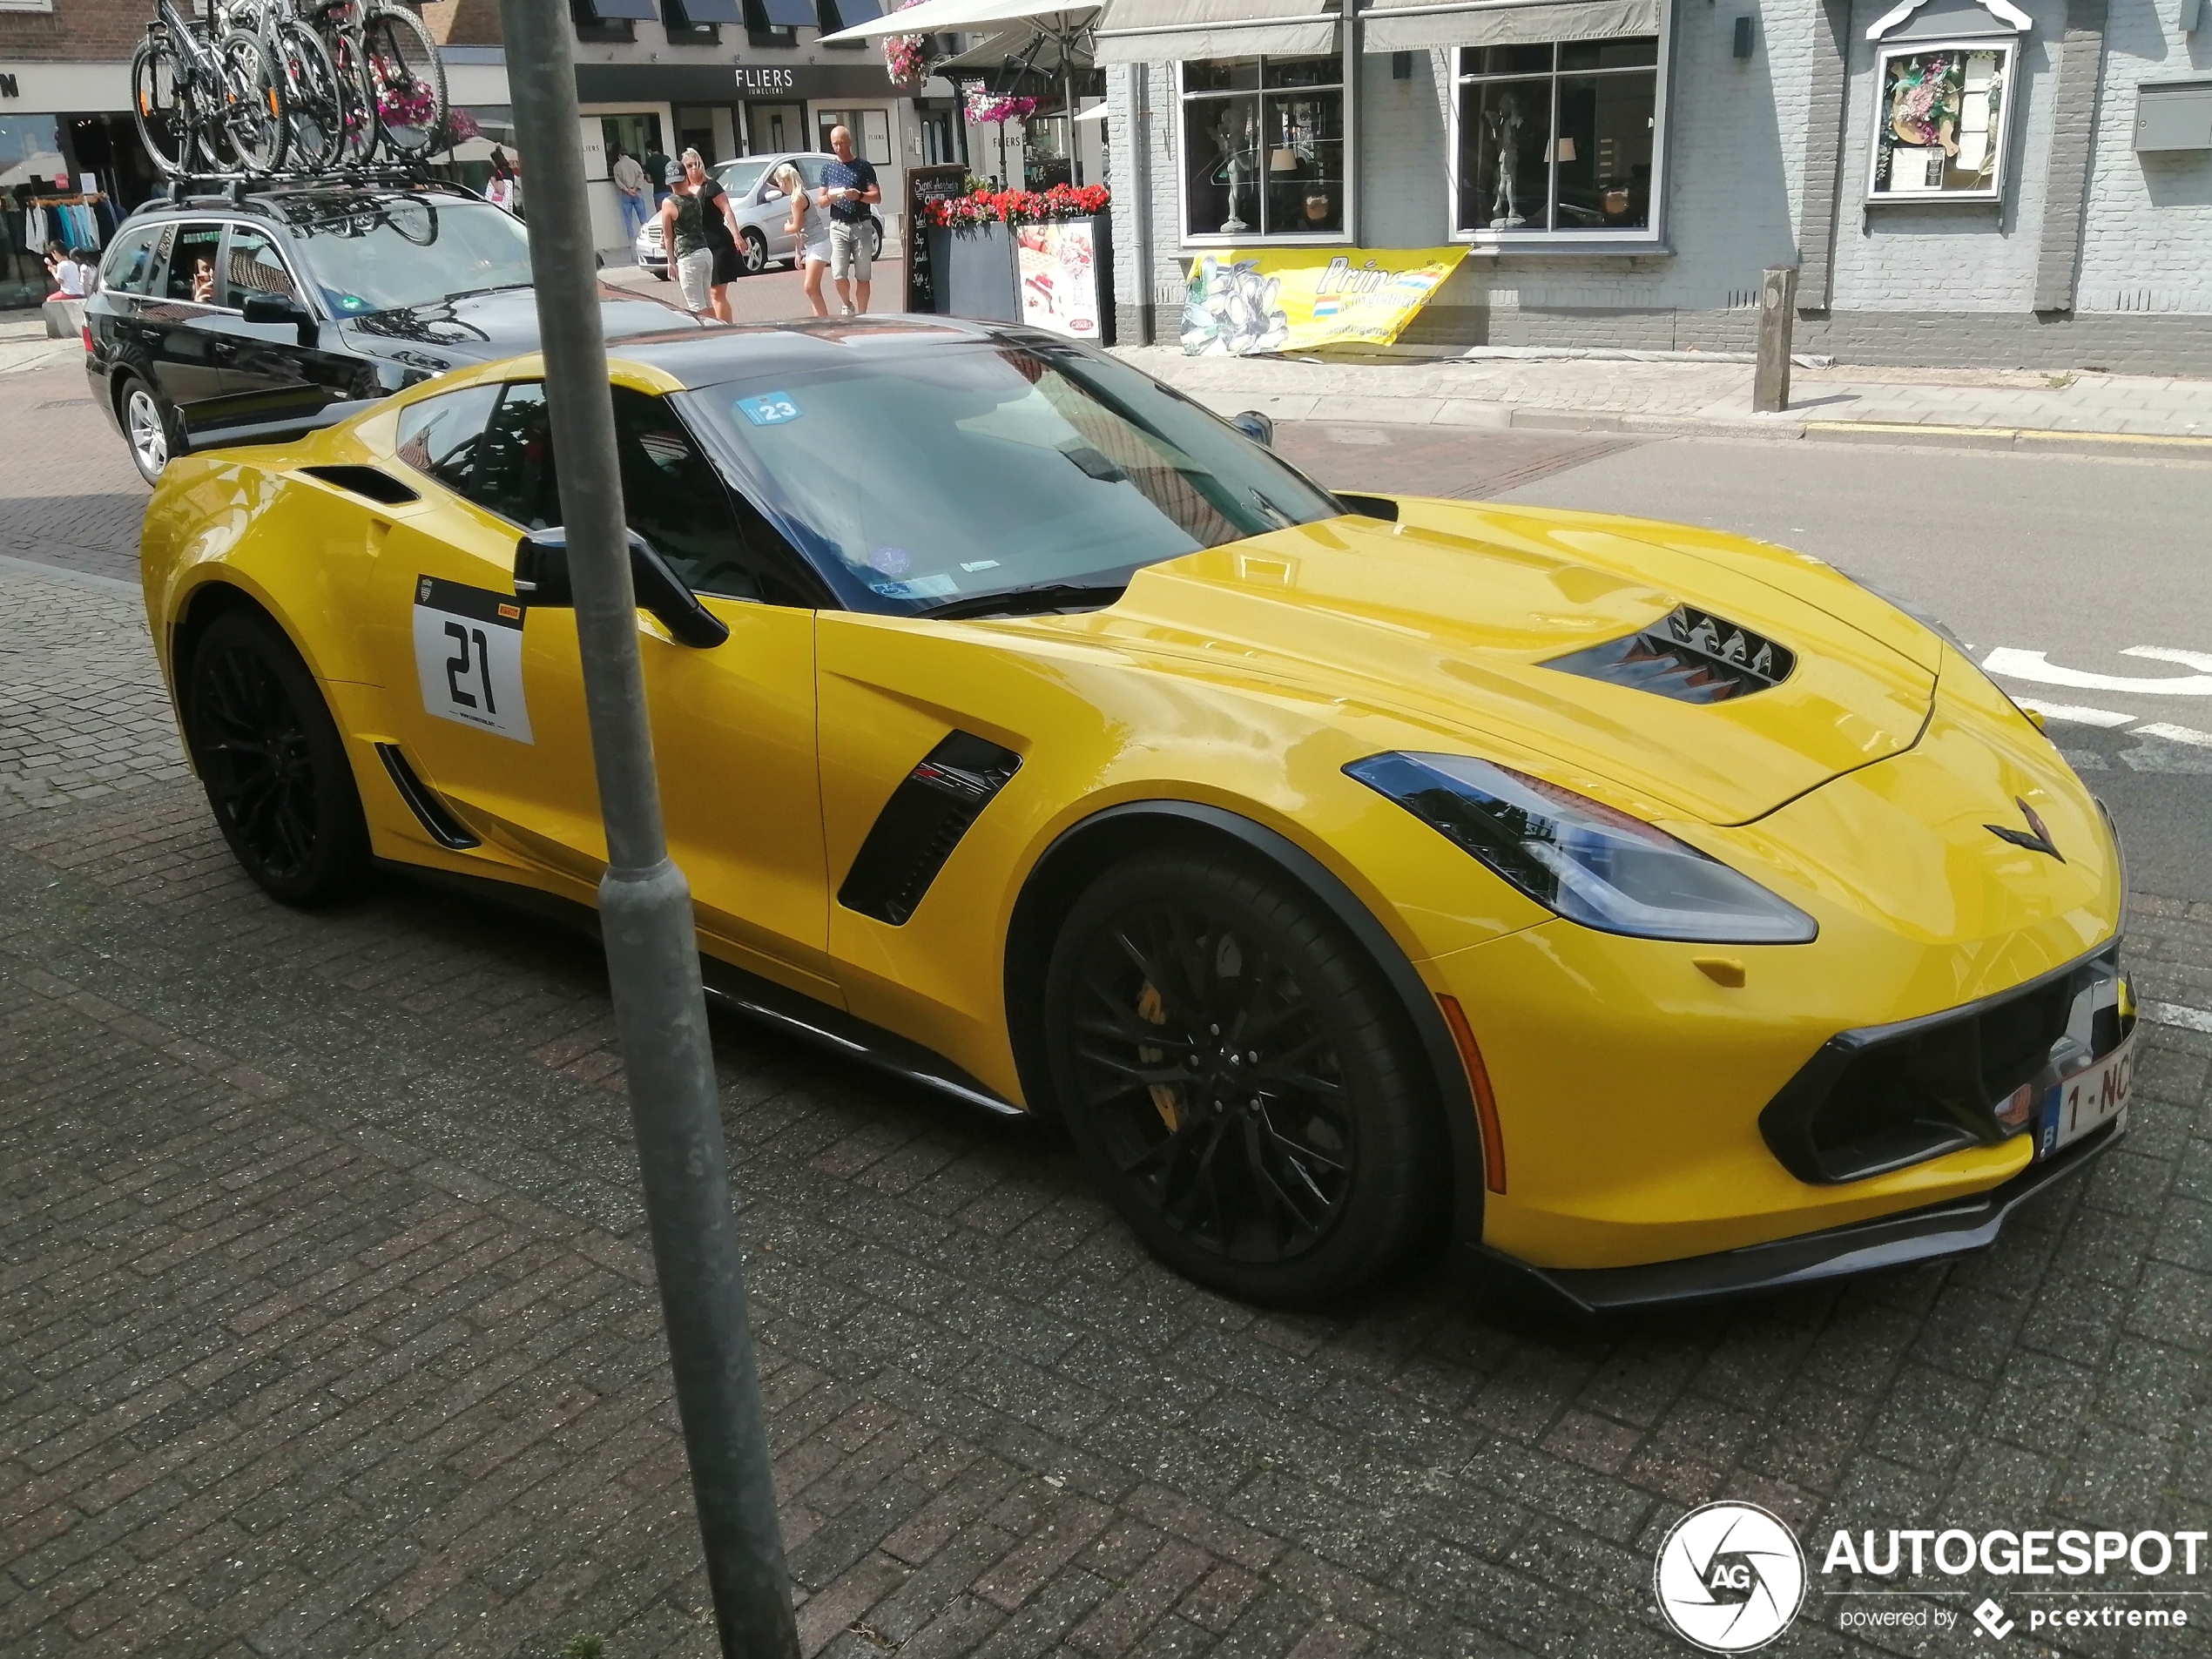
point(1651, 238)
point(222, 228)
point(1885, 51)
point(1185, 99)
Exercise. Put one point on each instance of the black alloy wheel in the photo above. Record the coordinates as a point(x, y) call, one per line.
point(1242, 1081)
point(752, 251)
point(273, 763)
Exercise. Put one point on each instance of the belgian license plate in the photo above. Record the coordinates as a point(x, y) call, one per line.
point(2088, 1100)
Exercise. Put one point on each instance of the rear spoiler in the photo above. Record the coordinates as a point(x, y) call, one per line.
point(221, 424)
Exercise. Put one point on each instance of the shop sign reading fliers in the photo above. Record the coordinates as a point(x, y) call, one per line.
point(1273, 300)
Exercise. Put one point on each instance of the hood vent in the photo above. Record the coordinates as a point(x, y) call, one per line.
point(1691, 656)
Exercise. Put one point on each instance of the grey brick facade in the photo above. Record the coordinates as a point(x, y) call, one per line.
point(2095, 257)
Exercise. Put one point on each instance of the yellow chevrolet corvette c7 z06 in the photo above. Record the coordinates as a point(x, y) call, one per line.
point(1642, 911)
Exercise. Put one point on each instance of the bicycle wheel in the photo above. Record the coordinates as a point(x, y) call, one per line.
point(357, 144)
point(159, 106)
point(254, 114)
point(410, 81)
point(318, 110)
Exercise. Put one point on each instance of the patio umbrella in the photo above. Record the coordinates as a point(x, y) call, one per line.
point(1066, 27)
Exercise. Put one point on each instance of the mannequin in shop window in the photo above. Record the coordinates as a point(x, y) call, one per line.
point(1505, 122)
point(1239, 141)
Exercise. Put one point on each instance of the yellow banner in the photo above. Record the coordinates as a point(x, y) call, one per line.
point(1273, 300)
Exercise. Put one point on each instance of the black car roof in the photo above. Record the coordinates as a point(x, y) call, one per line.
point(709, 356)
point(299, 199)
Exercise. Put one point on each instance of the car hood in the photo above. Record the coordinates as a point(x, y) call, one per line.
point(1453, 617)
point(477, 328)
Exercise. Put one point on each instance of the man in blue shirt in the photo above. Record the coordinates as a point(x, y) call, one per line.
point(848, 191)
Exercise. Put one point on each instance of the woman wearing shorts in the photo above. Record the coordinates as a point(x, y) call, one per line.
point(809, 227)
point(683, 228)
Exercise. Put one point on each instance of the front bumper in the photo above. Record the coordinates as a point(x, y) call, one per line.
point(1955, 1228)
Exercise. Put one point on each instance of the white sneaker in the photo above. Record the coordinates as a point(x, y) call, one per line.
point(846, 311)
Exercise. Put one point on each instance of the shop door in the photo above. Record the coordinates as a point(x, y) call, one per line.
point(776, 128)
point(695, 131)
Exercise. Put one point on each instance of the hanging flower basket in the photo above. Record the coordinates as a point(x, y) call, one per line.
point(904, 58)
point(983, 106)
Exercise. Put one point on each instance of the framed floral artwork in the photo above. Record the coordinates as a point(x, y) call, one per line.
point(1942, 113)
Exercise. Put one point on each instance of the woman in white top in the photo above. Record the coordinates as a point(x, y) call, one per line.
point(810, 229)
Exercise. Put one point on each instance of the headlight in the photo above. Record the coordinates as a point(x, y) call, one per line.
point(1590, 863)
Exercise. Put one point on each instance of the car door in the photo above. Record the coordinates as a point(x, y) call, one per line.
point(265, 365)
point(178, 331)
point(497, 723)
point(134, 265)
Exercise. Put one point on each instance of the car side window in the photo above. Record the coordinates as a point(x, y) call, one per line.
point(810, 169)
point(253, 266)
point(133, 259)
point(191, 263)
point(513, 471)
point(676, 499)
point(440, 436)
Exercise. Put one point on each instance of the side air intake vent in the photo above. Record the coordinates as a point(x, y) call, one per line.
point(923, 823)
point(365, 481)
point(1690, 656)
point(424, 801)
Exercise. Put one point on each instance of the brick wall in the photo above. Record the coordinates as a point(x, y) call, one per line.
point(1734, 193)
point(91, 32)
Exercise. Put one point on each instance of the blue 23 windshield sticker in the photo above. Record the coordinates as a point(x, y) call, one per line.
point(770, 408)
point(468, 657)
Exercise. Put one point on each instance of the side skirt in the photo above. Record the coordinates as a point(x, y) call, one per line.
point(736, 991)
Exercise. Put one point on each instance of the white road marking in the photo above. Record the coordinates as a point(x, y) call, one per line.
point(2175, 1014)
point(2178, 734)
point(2202, 661)
point(2074, 713)
point(2011, 663)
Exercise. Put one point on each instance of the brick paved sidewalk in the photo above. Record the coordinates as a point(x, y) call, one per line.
point(325, 1328)
point(2172, 418)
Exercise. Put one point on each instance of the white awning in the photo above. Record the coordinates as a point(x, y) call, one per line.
point(1140, 31)
point(968, 18)
point(1406, 25)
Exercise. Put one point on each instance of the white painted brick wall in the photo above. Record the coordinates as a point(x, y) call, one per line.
point(1735, 167)
point(2147, 243)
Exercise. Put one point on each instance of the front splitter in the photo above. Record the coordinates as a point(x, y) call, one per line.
point(1958, 1227)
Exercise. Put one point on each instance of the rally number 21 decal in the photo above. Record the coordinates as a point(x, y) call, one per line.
point(468, 657)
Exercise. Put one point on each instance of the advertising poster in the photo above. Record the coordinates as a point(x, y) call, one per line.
point(1274, 299)
point(1060, 277)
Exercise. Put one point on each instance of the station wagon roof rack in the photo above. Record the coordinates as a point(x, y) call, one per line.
point(237, 190)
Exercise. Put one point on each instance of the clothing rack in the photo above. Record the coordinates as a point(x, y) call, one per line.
point(84, 225)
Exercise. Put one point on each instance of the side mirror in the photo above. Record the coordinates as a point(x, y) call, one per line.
point(1254, 425)
point(282, 308)
point(770, 193)
point(542, 579)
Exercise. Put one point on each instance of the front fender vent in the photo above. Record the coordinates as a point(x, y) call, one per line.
point(921, 824)
point(1691, 656)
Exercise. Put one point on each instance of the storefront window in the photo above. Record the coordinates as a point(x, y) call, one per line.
point(1939, 130)
point(30, 155)
point(1262, 148)
point(1556, 139)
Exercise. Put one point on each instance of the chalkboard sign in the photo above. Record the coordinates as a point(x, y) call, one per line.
point(924, 185)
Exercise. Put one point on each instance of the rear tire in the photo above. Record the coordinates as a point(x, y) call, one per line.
point(1242, 1081)
point(752, 251)
point(148, 428)
point(273, 763)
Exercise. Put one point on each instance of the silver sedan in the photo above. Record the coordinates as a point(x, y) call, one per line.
point(762, 213)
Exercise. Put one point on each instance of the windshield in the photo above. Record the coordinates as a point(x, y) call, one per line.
point(378, 255)
point(739, 177)
point(931, 477)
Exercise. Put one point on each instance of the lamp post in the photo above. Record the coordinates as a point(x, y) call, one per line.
point(644, 902)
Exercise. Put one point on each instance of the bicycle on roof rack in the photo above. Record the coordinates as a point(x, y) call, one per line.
point(333, 84)
point(204, 93)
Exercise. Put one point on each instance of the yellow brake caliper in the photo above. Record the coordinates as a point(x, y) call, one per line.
point(1154, 1011)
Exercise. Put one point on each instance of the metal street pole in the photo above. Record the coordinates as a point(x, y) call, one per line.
point(645, 903)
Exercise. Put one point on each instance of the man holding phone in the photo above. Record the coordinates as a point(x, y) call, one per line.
point(848, 191)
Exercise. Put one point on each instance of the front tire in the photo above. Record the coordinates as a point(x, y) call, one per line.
point(273, 763)
point(1242, 1081)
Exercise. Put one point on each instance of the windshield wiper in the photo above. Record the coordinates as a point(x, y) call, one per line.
point(1014, 602)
